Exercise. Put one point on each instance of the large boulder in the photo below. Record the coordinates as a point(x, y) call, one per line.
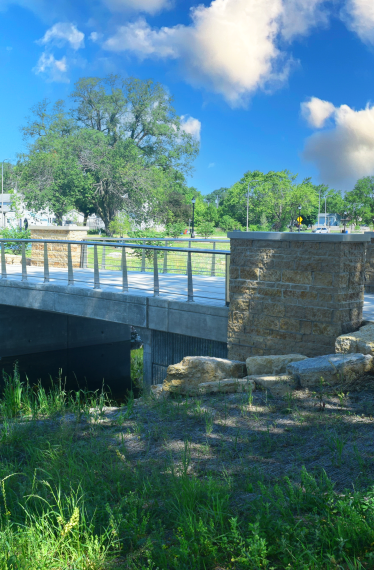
point(278, 385)
point(335, 369)
point(228, 385)
point(185, 377)
point(361, 341)
point(260, 365)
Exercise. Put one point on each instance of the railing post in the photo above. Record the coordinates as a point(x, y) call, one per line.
point(84, 255)
point(189, 245)
point(143, 260)
point(96, 269)
point(213, 271)
point(227, 280)
point(125, 284)
point(156, 284)
point(24, 270)
point(3, 261)
point(46, 264)
point(165, 269)
point(189, 279)
point(103, 257)
point(70, 267)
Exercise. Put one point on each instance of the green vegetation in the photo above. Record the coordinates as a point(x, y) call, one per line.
point(184, 484)
point(15, 233)
point(121, 152)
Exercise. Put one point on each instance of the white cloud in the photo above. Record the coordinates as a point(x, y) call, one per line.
point(232, 47)
point(191, 126)
point(359, 17)
point(53, 69)
point(345, 152)
point(61, 34)
point(316, 111)
point(211, 165)
point(150, 6)
point(95, 36)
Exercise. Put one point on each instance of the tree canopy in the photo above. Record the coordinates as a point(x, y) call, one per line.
point(121, 147)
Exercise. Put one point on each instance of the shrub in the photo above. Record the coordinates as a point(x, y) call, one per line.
point(15, 233)
point(175, 230)
point(228, 224)
point(206, 229)
point(146, 234)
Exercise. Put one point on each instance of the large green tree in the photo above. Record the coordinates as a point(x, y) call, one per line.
point(274, 199)
point(49, 175)
point(140, 110)
point(359, 202)
point(121, 147)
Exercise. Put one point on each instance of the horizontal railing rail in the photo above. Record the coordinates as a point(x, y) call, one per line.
point(84, 259)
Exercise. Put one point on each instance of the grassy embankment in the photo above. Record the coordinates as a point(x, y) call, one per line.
point(232, 481)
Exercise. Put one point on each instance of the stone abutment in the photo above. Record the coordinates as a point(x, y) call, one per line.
point(293, 292)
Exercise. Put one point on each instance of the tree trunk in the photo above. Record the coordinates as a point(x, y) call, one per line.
point(85, 219)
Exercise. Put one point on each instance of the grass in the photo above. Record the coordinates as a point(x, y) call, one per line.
point(176, 262)
point(215, 483)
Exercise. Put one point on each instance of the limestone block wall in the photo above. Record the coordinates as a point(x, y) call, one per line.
point(293, 292)
point(369, 265)
point(57, 253)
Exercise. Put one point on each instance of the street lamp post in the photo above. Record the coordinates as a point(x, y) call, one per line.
point(299, 208)
point(193, 218)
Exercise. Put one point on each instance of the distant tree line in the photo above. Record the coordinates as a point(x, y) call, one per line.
point(118, 150)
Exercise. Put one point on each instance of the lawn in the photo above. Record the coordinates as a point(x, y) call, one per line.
point(173, 262)
point(220, 482)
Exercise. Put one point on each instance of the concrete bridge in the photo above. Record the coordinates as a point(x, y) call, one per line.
point(286, 291)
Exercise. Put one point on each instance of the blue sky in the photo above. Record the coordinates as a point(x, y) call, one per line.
point(264, 84)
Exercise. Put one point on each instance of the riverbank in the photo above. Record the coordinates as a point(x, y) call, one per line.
point(217, 482)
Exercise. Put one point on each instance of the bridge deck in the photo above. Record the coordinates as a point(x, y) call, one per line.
point(207, 290)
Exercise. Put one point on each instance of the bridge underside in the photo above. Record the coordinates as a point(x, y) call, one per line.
point(169, 329)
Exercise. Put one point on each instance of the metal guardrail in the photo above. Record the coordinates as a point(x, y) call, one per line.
point(100, 262)
point(210, 267)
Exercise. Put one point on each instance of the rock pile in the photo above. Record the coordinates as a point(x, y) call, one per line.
point(280, 374)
